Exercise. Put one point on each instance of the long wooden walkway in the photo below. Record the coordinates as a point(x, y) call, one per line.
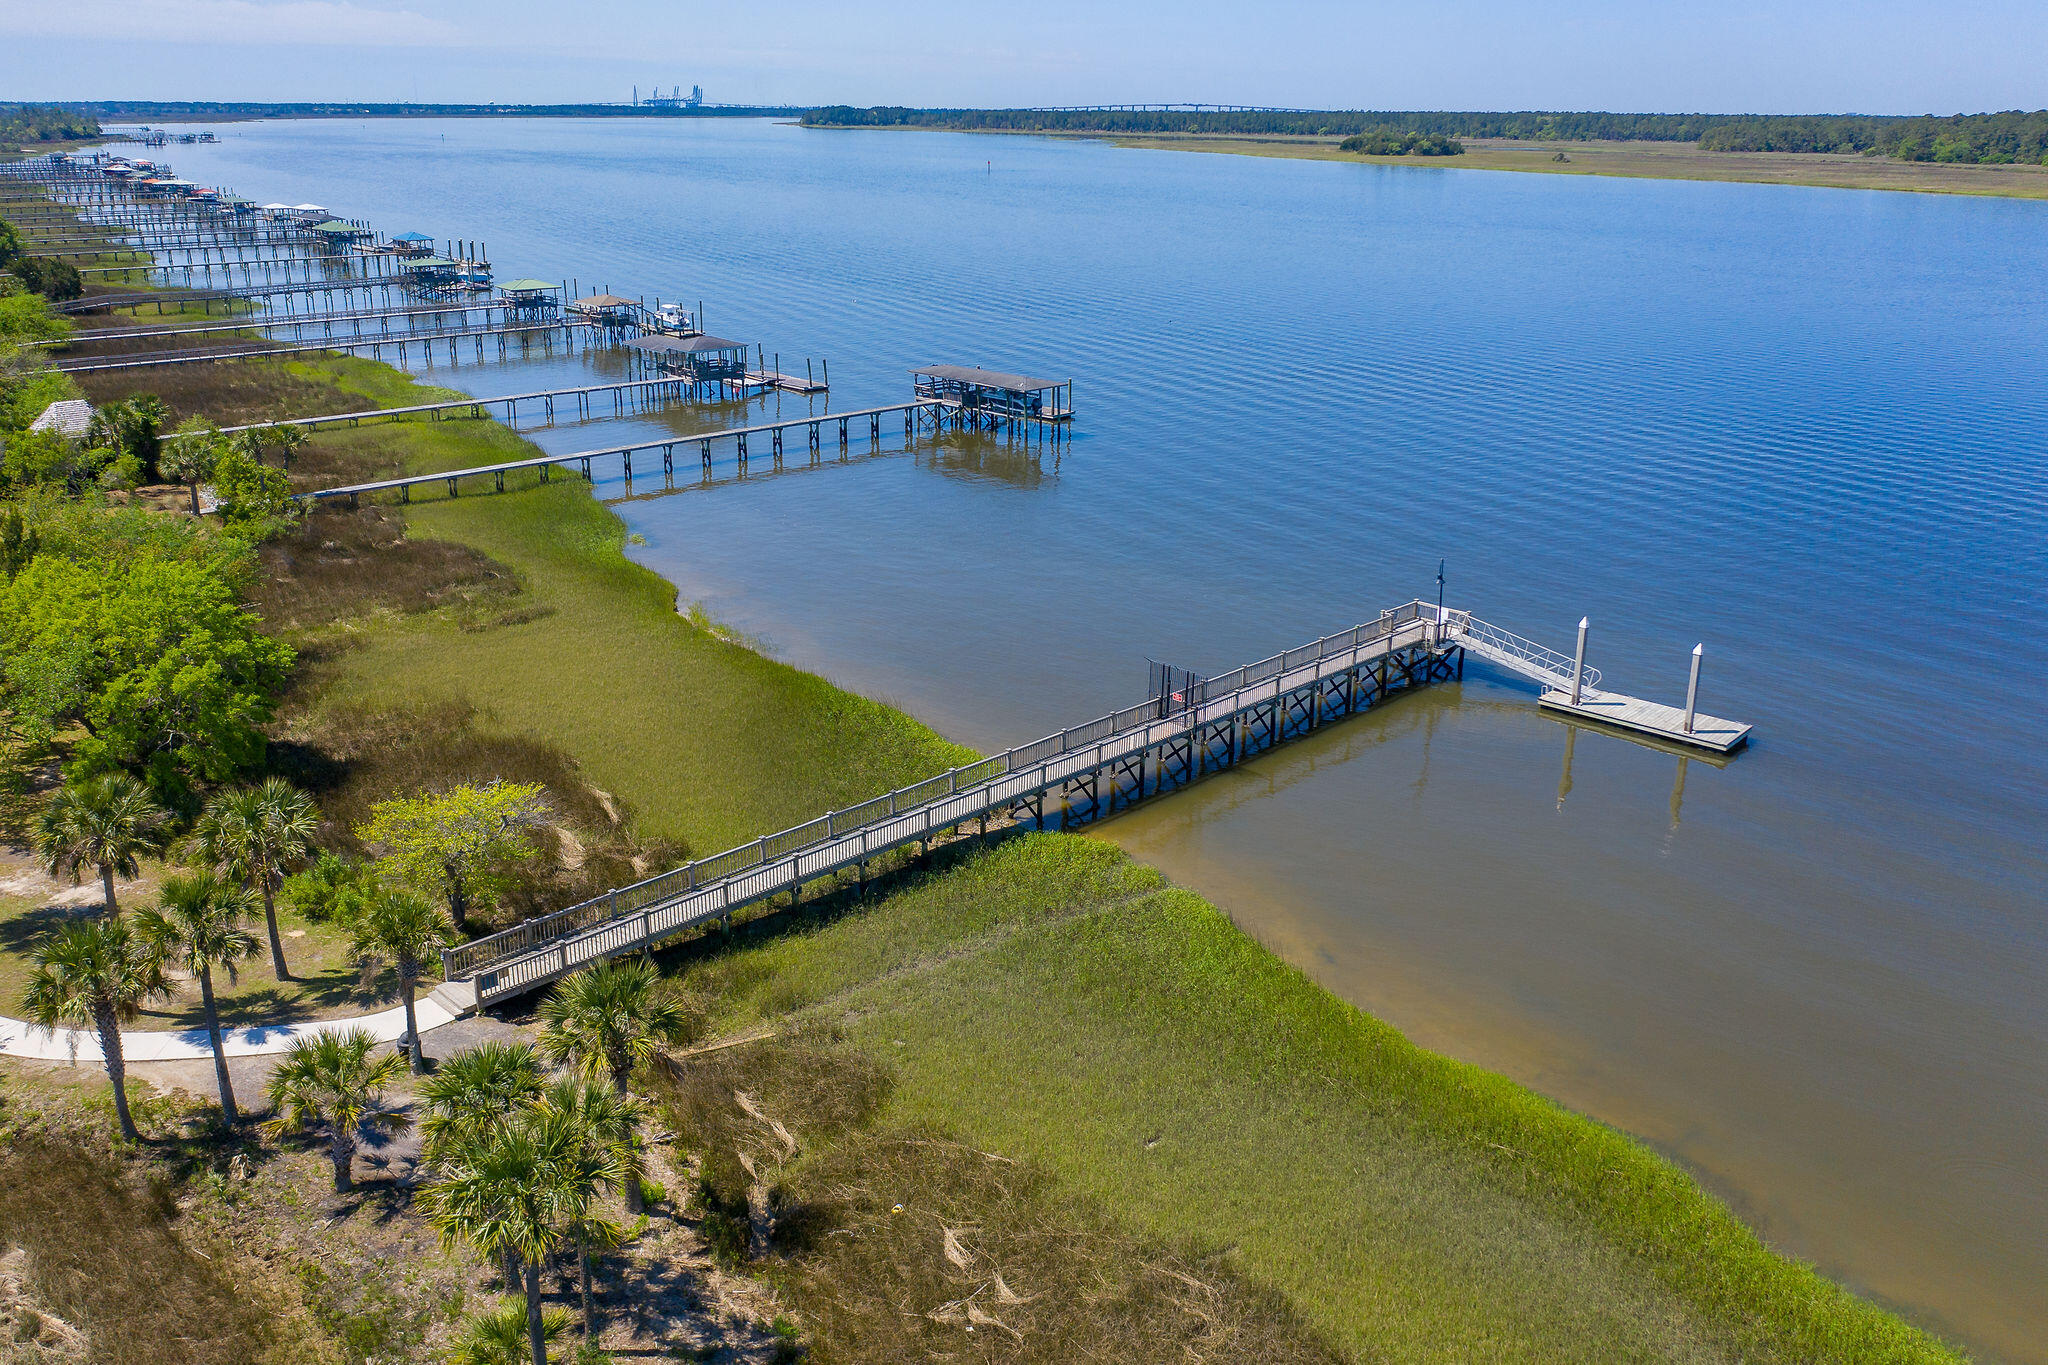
point(1075, 776)
point(348, 344)
point(703, 440)
point(477, 406)
point(264, 322)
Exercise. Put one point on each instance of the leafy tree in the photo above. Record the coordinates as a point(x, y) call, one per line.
point(499, 1336)
point(96, 974)
point(108, 823)
point(198, 925)
point(153, 656)
point(405, 930)
point(506, 1191)
point(331, 1083)
point(132, 426)
point(256, 835)
point(19, 541)
point(49, 276)
point(330, 887)
point(609, 1020)
point(460, 845)
point(250, 494)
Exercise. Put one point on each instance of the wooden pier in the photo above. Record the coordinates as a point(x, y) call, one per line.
point(1085, 773)
point(930, 410)
point(621, 390)
point(423, 339)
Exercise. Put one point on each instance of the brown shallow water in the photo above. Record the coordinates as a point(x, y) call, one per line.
point(1757, 1046)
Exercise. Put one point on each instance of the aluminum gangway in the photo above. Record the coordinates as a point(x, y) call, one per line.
point(1066, 779)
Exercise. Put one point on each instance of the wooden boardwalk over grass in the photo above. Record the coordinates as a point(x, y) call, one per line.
point(1076, 776)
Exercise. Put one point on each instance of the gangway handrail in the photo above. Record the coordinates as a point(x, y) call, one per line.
point(480, 954)
point(1517, 652)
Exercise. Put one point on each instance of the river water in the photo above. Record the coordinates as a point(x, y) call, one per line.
point(1803, 426)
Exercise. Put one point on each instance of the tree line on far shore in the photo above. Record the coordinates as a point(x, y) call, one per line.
point(21, 124)
point(2014, 136)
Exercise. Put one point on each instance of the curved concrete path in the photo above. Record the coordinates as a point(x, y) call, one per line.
point(21, 1039)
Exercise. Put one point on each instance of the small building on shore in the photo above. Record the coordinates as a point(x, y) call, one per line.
point(68, 417)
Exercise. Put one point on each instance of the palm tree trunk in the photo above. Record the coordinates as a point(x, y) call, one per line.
point(342, 1148)
point(408, 983)
point(583, 1275)
point(107, 886)
point(117, 1071)
point(636, 1203)
point(510, 1269)
point(270, 922)
point(535, 1336)
point(193, 488)
point(458, 906)
point(220, 1055)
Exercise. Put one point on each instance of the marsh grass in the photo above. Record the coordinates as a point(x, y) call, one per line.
point(98, 1247)
point(1052, 1002)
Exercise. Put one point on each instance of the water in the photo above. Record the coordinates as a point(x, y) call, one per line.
point(1804, 426)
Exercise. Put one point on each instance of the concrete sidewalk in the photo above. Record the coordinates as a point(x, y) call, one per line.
point(20, 1039)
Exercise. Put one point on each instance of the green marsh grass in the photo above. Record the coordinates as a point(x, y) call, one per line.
point(1052, 1001)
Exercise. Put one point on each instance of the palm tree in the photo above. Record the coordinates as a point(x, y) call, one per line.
point(96, 974)
point(107, 822)
point(255, 835)
point(473, 1090)
point(612, 1019)
point(471, 1093)
point(499, 1336)
point(198, 925)
point(608, 1125)
point(506, 1191)
point(402, 928)
point(332, 1083)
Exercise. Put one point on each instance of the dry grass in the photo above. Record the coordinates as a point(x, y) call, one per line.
point(98, 1247)
point(340, 566)
point(901, 1245)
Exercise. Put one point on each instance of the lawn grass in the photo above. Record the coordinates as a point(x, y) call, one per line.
point(1054, 1001)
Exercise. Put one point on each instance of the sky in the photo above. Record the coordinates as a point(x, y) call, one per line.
point(1863, 56)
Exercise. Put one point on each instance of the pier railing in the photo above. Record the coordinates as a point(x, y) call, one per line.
point(471, 957)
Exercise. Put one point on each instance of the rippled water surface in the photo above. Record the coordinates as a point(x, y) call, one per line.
point(1803, 426)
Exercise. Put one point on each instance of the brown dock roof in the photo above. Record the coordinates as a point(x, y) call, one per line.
point(987, 379)
point(604, 301)
point(686, 345)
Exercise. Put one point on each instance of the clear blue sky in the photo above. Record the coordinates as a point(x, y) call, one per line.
point(1878, 56)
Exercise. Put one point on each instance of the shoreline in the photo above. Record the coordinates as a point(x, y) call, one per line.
point(1617, 160)
point(1174, 980)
